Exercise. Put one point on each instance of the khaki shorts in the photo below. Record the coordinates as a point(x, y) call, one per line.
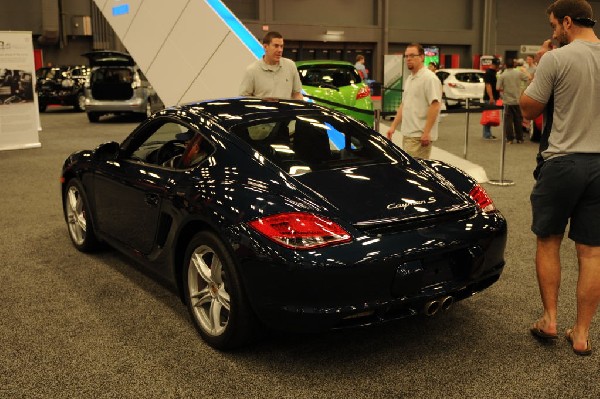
point(413, 146)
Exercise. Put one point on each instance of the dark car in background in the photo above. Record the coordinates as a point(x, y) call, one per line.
point(284, 214)
point(116, 85)
point(62, 85)
point(337, 85)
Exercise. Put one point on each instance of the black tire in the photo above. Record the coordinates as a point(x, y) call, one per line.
point(78, 217)
point(42, 107)
point(217, 285)
point(80, 102)
point(93, 117)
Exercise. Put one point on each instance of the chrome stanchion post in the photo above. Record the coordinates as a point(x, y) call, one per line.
point(377, 116)
point(501, 181)
point(466, 130)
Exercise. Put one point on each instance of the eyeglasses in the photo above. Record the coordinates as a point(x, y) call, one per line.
point(411, 55)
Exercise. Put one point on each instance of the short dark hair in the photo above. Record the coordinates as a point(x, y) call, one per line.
point(496, 61)
point(419, 48)
point(360, 57)
point(580, 11)
point(270, 36)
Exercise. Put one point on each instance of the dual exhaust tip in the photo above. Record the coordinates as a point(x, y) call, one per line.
point(434, 306)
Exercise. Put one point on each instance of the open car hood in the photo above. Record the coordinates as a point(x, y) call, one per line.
point(109, 58)
point(364, 196)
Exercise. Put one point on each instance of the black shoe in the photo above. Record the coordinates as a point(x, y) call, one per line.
point(490, 138)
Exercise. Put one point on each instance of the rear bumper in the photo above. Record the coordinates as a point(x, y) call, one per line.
point(137, 105)
point(343, 287)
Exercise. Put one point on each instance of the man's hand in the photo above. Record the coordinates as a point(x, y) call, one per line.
point(390, 133)
point(546, 46)
point(425, 139)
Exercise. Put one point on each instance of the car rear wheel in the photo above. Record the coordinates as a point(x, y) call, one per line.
point(42, 107)
point(93, 117)
point(214, 294)
point(80, 104)
point(77, 216)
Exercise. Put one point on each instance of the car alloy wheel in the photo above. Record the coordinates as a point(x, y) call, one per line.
point(214, 294)
point(77, 218)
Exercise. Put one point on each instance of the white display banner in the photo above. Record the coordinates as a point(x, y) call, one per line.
point(18, 111)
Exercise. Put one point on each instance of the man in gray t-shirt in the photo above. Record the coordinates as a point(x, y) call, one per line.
point(272, 76)
point(509, 85)
point(567, 189)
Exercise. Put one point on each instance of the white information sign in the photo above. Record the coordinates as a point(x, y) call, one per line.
point(18, 111)
point(530, 48)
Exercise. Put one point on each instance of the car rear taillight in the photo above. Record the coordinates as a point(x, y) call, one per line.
point(483, 200)
point(298, 230)
point(456, 85)
point(363, 92)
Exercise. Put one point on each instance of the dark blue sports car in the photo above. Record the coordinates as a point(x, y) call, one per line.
point(284, 214)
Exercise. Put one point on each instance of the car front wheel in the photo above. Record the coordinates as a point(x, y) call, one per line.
point(77, 216)
point(214, 294)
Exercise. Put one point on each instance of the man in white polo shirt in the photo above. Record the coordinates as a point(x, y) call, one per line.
point(272, 76)
point(418, 114)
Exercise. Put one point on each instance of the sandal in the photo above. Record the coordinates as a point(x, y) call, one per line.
point(538, 333)
point(581, 352)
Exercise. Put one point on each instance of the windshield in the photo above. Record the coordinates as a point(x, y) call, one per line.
point(317, 142)
point(328, 75)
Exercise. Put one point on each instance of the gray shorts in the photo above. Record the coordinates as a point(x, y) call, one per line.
point(568, 188)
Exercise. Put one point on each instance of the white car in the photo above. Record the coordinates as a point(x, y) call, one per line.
point(459, 84)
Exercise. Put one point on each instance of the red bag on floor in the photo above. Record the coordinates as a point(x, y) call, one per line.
point(491, 117)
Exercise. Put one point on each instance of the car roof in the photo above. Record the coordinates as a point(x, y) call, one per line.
point(238, 110)
point(323, 62)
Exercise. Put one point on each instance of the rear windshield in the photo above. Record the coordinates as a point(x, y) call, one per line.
point(470, 77)
point(328, 75)
point(112, 75)
point(311, 143)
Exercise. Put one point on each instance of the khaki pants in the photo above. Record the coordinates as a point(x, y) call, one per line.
point(413, 146)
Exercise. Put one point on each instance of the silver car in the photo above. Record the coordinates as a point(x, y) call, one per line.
point(116, 85)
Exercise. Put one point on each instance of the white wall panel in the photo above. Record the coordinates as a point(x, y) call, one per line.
point(120, 23)
point(185, 49)
point(150, 28)
point(222, 75)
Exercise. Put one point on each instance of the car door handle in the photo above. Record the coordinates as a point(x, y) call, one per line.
point(151, 199)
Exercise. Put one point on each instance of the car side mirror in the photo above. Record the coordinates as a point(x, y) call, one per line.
point(108, 151)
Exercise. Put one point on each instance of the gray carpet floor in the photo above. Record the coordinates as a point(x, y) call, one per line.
point(80, 326)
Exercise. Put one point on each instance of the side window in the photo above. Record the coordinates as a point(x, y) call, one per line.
point(197, 150)
point(164, 144)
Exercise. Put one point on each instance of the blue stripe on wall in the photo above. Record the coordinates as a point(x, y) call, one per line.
point(120, 10)
point(237, 27)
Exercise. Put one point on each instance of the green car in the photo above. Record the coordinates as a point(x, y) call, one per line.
point(339, 86)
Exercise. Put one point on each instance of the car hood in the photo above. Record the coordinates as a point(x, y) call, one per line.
point(345, 95)
point(381, 194)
